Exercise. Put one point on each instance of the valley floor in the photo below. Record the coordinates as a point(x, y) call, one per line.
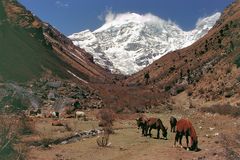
point(218, 136)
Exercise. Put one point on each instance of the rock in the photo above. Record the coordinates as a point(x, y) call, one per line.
point(51, 96)
point(64, 142)
point(56, 84)
point(216, 134)
point(211, 128)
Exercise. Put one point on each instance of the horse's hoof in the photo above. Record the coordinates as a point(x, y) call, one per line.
point(188, 149)
point(181, 146)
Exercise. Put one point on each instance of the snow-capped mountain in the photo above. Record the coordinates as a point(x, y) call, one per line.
point(128, 42)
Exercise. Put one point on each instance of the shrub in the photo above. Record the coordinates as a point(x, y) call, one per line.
point(25, 127)
point(237, 61)
point(106, 117)
point(8, 138)
point(224, 109)
point(167, 88)
point(102, 141)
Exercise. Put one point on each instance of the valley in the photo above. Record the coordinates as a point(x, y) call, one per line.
point(46, 78)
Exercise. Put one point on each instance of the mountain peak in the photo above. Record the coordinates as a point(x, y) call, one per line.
point(210, 21)
point(128, 42)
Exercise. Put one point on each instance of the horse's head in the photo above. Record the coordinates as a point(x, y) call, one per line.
point(194, 146)
point(164, 133)
point(139, 120)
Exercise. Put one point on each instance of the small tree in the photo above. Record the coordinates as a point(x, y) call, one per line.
point(106, 117)
point(146, 77)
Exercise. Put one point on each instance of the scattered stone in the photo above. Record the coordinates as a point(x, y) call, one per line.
point(207, 136)
point(211, 128)
point(122, 148)
point(216, 134)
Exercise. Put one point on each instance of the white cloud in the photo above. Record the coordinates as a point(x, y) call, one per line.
point(103, 15)
point(134, 17)
point(61, 4)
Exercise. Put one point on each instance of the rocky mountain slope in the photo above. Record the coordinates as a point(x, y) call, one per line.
point(208, 69)
point(30, 47)
point(128, 42)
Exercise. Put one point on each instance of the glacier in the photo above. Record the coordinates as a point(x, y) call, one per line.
point(128, 42)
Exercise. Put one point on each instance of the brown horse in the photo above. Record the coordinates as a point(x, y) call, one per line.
point(184, 127)
point(156, 123)
point(173, 123)
point(142, 123)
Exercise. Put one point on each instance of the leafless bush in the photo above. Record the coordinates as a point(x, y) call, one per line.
point(106, 117)
point(8, 138)
point(224, 109)
point(67, 127)
point(102, 141)
point(25, 126)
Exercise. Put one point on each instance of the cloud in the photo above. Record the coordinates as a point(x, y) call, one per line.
point(61, 4)
point(106, 13)
point(134, 17)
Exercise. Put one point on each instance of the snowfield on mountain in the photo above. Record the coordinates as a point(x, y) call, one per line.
point(128, 42)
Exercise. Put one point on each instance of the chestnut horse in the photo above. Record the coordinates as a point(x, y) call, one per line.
point(156, 123)
point(142, 123)
point(185, 128)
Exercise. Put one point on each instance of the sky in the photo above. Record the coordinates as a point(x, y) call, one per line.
point(71, 16)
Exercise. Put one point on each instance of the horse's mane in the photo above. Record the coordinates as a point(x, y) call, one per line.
point(193, 133)
point(160, 122)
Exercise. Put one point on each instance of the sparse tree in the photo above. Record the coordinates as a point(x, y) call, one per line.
point(146, 77)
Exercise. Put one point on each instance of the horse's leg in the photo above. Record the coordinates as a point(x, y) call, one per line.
point(158, 133)
point(146, 130)
point(142, 130)
point(176, 138)
point(174, 128)
point(150, 129)
point(187, 142)
point(180, 140)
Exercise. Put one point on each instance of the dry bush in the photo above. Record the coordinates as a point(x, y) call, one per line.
point(25, 126)
point(45, 139)
point(102, 141)
point(8, 138)
point(106, 117)
point(224, 109)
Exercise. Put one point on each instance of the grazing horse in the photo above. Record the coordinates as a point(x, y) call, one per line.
point(142, 122)
point(184, 127)
point(156, 123)
point(80, 114)
point(173, 123)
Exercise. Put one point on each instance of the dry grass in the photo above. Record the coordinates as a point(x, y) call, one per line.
point(224, 109)
point(9, 135)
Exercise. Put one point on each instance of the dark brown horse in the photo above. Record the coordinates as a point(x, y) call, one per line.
point(173, 123)
point(142, 123)
point(185, 128)
point(156, 123)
